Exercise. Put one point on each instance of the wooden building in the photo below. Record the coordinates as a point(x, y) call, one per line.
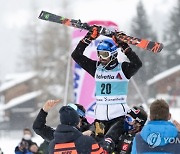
point(18, 99)
point(166, 85)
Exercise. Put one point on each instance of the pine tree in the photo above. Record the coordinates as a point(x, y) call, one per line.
point(45, 50)
point(172, 37)
point(46, 53)
point(142, 29)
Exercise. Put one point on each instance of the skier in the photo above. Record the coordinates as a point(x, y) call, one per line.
point(111, 77)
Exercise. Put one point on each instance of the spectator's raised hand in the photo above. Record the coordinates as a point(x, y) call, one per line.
point(177, 124)
point(50, 104)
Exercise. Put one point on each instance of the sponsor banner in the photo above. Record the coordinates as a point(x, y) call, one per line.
point(84, 84)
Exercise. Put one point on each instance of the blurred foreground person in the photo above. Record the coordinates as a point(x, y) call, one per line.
point(159, 135)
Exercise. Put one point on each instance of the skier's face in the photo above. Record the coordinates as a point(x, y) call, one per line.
point(104, 57)
point(104, 61)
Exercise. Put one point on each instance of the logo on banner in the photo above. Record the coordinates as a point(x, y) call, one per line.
point(90, 110)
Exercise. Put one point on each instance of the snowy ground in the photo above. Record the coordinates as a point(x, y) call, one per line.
point(9, 140)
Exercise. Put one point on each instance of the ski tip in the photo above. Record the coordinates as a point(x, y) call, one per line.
point(161, 47)
point(40, 15)
point(158, 48)
point(155, 47)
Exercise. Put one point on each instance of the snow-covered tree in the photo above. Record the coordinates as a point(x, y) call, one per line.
point(142, 28)
point(172, 37)
point(46, 48)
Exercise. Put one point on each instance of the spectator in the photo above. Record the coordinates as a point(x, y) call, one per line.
point(159, 135)
point(25, 143)
point(46, 132)
point(85, 127)
point(67, 138)
point(34, 149)
point(111, 77)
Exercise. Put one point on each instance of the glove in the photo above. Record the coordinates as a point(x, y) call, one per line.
point(99, 129)
point(117, 39)
point(92, 34)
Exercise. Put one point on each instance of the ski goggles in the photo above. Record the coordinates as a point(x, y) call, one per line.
point(104, 54)
point(129, 119)
point(128, 123)
point(79, 112)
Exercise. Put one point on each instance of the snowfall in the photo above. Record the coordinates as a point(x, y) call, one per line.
point(9, 140)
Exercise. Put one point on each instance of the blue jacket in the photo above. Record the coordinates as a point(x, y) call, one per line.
point(157, 137)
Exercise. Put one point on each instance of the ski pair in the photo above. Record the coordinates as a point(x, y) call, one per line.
point(155, 47)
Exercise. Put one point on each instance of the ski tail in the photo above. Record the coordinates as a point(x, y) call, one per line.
point(155, 47)
point(64, 21)
point(143, 43)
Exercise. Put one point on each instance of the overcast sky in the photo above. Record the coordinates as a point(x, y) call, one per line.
point(16, 14)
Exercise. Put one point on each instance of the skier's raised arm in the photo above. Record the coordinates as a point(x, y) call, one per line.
point(86, 63)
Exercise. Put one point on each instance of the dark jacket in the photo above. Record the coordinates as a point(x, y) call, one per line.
point(46, 132)
point(39, 126)
point(128, 68)
point(124, 145)
point(157, 137)
point(68, 139)
point(121, 136)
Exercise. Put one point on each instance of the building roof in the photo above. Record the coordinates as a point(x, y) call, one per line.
point(17, 79)
point(163, 75)
point(20, 100)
